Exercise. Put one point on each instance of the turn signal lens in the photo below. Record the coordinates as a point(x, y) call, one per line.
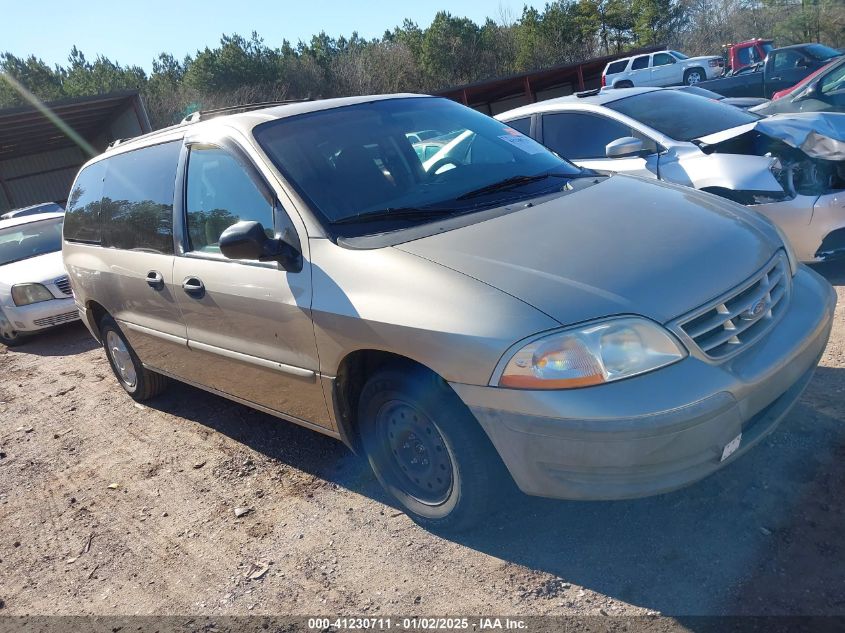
point(591, 355)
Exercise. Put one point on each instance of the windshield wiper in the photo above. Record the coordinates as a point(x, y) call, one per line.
point(404, 213)
point(509, 183)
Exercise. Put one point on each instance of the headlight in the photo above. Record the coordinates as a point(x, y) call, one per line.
point(592, 354)
point(24, 294)
point(787, 246)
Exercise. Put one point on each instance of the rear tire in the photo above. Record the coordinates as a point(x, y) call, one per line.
point(138, 381)
point(623, 84)
point(427, 450)
point(694, 76)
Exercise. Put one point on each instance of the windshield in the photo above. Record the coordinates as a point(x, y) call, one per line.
point(682, 116)
point(821, 52)
point(680, 56)
point(767, 47)
point(360, 160)
point(30, 240)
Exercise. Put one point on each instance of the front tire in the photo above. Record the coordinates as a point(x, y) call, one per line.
point(694, 76)
point(138, 381)
point(8, 335)
point(427, 450)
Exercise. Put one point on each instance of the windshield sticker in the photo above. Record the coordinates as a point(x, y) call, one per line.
point(524, 143)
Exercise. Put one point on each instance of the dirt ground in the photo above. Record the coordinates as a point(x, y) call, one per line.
point(110, 507)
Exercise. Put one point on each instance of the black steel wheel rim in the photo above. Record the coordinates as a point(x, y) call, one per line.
point(416, 456)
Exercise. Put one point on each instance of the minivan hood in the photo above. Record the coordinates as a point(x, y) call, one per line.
point(623, 246)
point(37, 269)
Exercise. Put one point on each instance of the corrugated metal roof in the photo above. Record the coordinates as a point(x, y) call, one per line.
point(490, 90)
point(25, 130)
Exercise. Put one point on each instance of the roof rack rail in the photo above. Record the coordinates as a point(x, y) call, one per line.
point(588, 93)
point(117, 142)
point(202, 115)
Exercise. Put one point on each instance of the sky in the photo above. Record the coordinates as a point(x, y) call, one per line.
point(134, 32)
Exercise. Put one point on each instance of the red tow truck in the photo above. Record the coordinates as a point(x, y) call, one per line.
point(746, 53)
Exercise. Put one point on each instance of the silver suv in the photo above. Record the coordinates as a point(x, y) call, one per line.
point(490, 313)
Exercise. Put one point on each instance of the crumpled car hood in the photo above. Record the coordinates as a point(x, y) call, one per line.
point(622, 246)
point(817, 134)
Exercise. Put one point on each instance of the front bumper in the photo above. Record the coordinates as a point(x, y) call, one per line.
point(41, 315)
point(807, 221)
point(660, 431)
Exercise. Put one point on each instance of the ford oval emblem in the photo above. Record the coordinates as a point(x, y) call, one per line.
point(754, 311)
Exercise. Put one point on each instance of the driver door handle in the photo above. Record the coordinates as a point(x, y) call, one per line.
point(193, 287)
point(155, 280)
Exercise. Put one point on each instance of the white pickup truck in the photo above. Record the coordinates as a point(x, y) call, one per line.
point(664, 68)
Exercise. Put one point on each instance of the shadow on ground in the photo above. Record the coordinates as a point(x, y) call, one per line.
point(64, 340)
point(761, 536)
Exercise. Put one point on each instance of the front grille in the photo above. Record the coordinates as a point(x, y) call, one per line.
point(63, 284)
point(59, 318)
point(735, 321)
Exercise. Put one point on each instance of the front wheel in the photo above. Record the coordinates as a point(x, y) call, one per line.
point(138, 381)
point(427, 449)
point(8, 335)
point(694, 76)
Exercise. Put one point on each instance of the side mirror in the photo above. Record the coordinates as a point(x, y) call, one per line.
point(809, 92)
point(248, 240)
point(624, 147)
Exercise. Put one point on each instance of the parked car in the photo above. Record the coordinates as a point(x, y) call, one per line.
point(783, 67)
point(665, 68)
point(44, 207)
point(689, 140)
point(34, 290)
point(823, 91)
point(747, 53)
point(744, 103)
point(494, 313)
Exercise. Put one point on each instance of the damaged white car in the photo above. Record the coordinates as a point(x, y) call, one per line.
point(789, 167)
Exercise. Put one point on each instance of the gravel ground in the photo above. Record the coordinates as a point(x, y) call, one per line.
point(109, 507)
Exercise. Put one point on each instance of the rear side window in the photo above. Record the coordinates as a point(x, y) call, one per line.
point(522, 125)
point(616, 67)
point(82, 218)
point(578, 136)
point(138, 199)
point(220, 193)
point(640, 63)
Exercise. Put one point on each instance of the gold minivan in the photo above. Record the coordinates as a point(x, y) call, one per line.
point(480, 312)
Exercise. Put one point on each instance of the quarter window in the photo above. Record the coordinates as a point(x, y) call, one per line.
point(640, 63)
point(579, 136)
point(138, 199)
point(220, 193)
point(616, 67)
point(82, 218)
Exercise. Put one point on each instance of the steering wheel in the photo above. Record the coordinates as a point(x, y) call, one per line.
point(440, 163)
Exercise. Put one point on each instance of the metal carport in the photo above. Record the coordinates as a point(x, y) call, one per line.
point(39, 159)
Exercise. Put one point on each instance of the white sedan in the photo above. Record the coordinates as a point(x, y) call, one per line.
point(34, 289)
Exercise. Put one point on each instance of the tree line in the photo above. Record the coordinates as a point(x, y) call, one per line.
point(448, 52)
